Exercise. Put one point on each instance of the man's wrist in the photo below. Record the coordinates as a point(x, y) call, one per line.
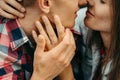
point(36, 76)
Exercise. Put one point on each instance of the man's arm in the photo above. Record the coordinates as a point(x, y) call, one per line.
point(67, 74)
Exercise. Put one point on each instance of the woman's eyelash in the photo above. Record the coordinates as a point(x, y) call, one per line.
point(102, 1)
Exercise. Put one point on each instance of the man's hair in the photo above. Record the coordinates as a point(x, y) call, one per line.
point(28, 3)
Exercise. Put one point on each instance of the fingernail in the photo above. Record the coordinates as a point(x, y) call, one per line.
point(37, 23)
point(23, 9)
point(21, 15)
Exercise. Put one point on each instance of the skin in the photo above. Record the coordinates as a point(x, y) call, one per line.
point(12, 13)
point(59, 59)
point(67, 16)
point(8, 11)
point(64, 42)
point(98, 17)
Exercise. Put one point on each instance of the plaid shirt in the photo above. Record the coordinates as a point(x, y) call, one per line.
point(15, 61)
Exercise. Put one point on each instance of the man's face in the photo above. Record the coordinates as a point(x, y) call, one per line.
point(66, 10)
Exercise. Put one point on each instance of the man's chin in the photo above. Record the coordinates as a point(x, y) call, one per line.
point(70, 25)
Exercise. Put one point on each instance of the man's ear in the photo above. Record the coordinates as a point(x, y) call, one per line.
point(44, 5)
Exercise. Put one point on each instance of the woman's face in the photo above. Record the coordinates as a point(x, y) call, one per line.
point(99, 15)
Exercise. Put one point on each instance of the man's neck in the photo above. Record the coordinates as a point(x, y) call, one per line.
point(27, 23)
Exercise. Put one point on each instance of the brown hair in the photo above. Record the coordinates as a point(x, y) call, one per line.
point(27, 3)
point(114, 50)
point(115, 42)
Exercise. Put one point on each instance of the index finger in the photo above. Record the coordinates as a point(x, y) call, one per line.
point(60, 28)
point(7, 15)
point(63, 45)
point(16, 5)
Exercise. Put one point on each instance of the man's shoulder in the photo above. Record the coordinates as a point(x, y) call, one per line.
point(5, 31)
point(7, 25)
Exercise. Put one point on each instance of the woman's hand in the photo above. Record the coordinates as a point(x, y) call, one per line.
point(11, 9)
point(48, 64)
point(50, 36)
point(59, 57)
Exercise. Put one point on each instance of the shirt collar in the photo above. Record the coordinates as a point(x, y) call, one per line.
point(75, 31)
point(16, 34)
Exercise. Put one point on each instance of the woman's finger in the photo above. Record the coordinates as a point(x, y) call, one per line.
point(42, 32)
point(11, 10)
point(63, 45)
point(7, 15)
point(16, 4)
point(50, 31)
point(60, 28)
point(39, 49)
point(69, 52)
point(34, 34)
point(39, 41)
point(8, 11)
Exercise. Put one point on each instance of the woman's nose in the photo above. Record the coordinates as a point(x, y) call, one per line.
point(82, 2)
point(90, 2)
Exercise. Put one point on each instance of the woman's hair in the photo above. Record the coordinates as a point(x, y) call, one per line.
point(115, 42)
point(114, 50)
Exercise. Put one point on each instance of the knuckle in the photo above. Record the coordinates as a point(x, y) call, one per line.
point(61, 33)
point(10, 16)
point(37, 56)
point(6, 0)
point(47, 23)
point(54, 57)
point(54, 41)
point(66, 63)
point(51, 35)
point(66, 43)
point(61, 60)
point(16, 12)
point(19, 7)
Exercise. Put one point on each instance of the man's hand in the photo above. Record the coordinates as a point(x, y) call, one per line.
point(11, 9)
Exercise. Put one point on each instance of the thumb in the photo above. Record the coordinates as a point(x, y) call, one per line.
point(39, 48)
point(40, 44)
point(40, 41)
